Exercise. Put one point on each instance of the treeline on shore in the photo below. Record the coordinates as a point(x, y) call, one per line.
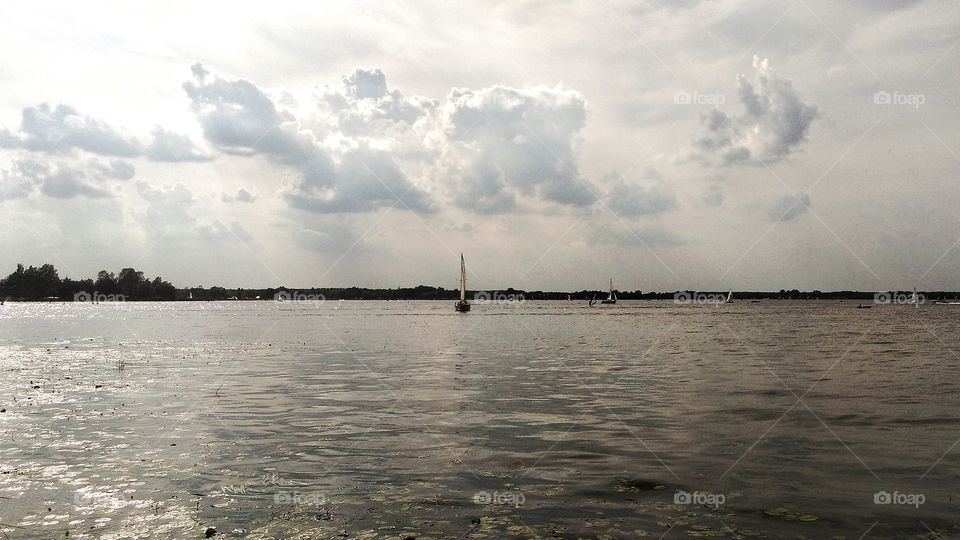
point(43, 283)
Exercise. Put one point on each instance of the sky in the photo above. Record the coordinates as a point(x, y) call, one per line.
point(668, 145)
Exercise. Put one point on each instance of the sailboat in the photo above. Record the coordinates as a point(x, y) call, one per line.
point(612, 297)
point(463, 305)
point(729, 297)
point(592, 301)
point(913, 299)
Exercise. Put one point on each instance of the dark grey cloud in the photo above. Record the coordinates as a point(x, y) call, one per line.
point(483, 190)
point(790, 207)
point(773, 125)
point(58, 129)
point(363, 181)
point(487, 147)
point(116, 169)
point(239, 117)
point(363, 105)
point(505, 140)
point(242, 195)
point(61, 129)
point(169, 146)
point(61, 180)
point(66, 183)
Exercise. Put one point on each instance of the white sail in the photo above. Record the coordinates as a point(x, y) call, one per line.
point(730, 297)
point(612, 295)
point(463, 280)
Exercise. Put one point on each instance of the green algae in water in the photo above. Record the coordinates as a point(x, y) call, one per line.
point(787, 513)
point(638, 486)
point(703, 531)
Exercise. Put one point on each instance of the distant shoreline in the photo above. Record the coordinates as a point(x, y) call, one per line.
point(497, 296)
point(43, 284)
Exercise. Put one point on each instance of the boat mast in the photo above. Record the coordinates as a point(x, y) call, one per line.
point(463, 280)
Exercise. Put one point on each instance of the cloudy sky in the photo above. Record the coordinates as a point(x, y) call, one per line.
point(710, 144)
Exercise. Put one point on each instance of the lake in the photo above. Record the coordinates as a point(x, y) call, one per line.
point(311, 419)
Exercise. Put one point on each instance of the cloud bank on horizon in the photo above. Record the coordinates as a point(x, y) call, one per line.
point(303, 178)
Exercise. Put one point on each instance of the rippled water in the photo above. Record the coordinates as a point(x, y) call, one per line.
point(546, 419)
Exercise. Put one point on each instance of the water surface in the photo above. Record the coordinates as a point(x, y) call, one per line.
point(537, 420)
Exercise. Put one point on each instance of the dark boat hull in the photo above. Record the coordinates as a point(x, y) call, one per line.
point(462, 306)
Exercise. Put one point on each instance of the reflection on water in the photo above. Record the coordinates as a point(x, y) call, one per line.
point(544, 419)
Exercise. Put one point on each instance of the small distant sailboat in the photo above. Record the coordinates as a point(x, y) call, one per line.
point(463, 305)
point(592, 301)
point(913, 299)
point(612, 296)
point(729, 297)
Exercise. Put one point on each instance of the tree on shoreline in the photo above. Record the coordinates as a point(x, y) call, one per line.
point(41, 283)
